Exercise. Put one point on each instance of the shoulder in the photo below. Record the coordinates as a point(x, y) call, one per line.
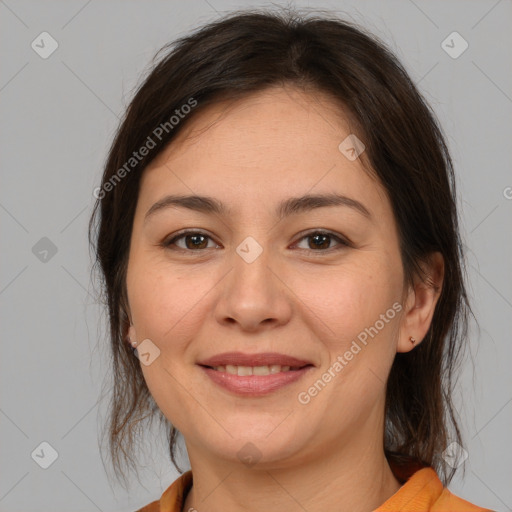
point(173, 497)
point(449, 502)
point(423, 491)
point(154, 506)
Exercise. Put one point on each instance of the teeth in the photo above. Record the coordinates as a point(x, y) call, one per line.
point(230, 369)
point(253, 370)
point(261, 370)
point(244, 370)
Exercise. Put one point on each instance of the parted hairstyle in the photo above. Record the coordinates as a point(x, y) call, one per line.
point(249, 51)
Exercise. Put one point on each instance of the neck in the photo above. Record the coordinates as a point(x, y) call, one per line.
point(355, 479)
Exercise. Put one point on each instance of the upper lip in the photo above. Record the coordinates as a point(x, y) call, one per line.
point(263, 359)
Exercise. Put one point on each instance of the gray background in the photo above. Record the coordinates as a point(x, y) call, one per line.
point(58, 117)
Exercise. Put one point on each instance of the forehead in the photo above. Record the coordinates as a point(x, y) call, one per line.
point(273, 142)
point(278, 117)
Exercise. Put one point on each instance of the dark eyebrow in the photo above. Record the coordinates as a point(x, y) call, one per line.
point(197, 203)
point(291, 206)
point(296, 205)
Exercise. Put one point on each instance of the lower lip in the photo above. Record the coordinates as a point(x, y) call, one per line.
point(255, 385)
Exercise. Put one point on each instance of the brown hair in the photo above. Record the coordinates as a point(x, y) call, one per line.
point(247, 52)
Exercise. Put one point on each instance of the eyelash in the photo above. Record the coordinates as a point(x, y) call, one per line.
point(343, 243)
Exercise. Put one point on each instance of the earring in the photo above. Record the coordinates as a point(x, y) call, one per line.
point(133, 343)
point(412, 340)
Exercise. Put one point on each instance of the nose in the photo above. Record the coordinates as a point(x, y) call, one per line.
point(254, 295)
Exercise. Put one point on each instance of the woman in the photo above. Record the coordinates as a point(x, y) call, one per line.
point(277, 234)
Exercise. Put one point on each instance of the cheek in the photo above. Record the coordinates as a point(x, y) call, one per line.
point(349, 297)
point(351, 311)
point(169, 305)
point(169, 309)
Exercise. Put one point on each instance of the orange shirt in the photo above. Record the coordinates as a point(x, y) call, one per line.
point(422, 492)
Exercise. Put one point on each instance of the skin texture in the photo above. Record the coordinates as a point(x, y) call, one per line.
point(299, 298)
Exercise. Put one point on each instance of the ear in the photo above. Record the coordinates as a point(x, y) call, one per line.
point(420, 303)
point(132, 335)
point(129, 334)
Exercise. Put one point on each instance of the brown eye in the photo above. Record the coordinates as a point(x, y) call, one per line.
point(321, 241)
point(193, 241)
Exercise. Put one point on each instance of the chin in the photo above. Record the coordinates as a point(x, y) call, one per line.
point(263, 446)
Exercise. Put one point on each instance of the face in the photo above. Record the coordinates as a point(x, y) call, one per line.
point(254, 282)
